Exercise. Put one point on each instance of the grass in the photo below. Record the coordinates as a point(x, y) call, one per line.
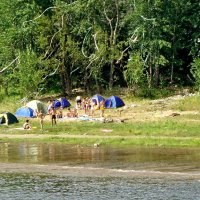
point(190, 103)
point(11, 104)
point(160, 133)
point(142, 127)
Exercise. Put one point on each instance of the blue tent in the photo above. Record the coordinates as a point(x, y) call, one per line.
point(25, 112)
point(97, 98)
point(56, 104)
point(64, 102)
point(114, 102)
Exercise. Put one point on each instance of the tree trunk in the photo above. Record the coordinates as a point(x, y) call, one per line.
point(65, 68)
point(157, 74)
point(97, 85)
point(6, 90)
point(63, 84)
point(150, 75)
point(111, 80)
point(86, 83)
point(172, 70)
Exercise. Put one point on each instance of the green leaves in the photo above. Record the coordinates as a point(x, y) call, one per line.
point(29, 73)
point(134, 73)
point(98, 41)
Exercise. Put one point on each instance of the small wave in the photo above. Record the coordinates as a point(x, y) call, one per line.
point(129, 171)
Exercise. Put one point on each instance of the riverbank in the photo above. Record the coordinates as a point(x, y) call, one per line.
point(97, 140)
point(162, 122)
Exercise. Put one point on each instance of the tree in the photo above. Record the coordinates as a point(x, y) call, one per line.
point(29, 74)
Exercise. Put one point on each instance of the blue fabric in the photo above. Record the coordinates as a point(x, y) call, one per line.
point(25, 112)
point(56, 104)
point(114, 102)
point(98, 98)
point(64, 102)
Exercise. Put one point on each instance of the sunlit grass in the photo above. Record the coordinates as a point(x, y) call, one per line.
point(189, 103)
point(183, 130)
point(10, 104)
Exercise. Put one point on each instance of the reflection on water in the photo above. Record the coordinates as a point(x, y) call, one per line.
point(72, 184)
point(15, 186)
point(161, 159)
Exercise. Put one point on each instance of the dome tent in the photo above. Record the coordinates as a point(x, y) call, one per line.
point(64, 102)
point(25, 112)
point(37, 106)
point(98, 98)
point(8, 118)
point(114, 102)
point(56, 104)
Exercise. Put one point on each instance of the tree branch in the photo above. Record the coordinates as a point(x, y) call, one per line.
point(108, 19)
point(39, 15)
point(117, 21)
point(95, 41)
point(122, 54)
point(146, 19)
point(82, 48)
point(51, 74)
point(9, 65)
point(54, 36)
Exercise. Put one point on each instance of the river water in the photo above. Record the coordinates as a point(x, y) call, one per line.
point(60, 171)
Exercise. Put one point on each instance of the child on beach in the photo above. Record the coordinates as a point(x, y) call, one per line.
point(26, 125)
point(53, 115)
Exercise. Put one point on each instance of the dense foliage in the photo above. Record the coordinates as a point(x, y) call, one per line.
point(60, 45)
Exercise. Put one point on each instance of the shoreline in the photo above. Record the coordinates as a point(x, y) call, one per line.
point(101, 140)
point(81, 171)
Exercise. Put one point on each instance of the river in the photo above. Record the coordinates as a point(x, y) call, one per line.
point(60, 171)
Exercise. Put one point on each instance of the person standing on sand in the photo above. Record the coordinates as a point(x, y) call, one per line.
point(50, 105)
point(53, 115)
point(78, 102)
point(102, 108)
point(41, 117)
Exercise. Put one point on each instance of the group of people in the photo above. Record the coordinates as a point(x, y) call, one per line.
point(90, 105)
point(87, 104)
point(40, 115)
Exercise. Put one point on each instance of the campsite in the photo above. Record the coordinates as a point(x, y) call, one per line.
point(99, 99)
point(145, 136)
point(152, 122)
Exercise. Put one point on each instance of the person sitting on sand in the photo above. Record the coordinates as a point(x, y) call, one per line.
point(72, 113)
point(59, 113)
point(26, 125)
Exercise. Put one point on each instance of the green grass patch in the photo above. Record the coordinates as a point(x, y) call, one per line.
point(137, 141)
point(188, 104)
point(160, 133)
point(170, 127)
point(183, 130)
